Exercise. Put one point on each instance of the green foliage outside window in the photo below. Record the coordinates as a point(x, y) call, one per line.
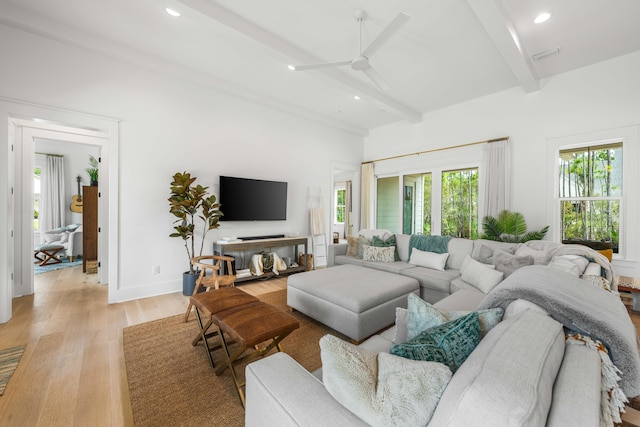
point(341, 206)
point(460, 203)
point(590, 191)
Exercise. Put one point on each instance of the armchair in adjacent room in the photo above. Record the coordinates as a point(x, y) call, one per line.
point(69, 237)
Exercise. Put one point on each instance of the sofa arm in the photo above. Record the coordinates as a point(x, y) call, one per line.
point(280, 392)
point(335, 250)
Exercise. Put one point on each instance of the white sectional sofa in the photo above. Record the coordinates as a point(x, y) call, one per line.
point(436, 285)
point(531, 369)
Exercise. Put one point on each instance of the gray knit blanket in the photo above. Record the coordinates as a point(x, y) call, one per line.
point(580, 306)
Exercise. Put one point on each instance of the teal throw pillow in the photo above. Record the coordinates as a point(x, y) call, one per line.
point(362, 242)
point(421, 316)
point(450, 343)
point(391, 241)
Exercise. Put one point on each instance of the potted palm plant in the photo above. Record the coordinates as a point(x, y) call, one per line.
point(92, 171)
point(191, 204)
point(510, 227)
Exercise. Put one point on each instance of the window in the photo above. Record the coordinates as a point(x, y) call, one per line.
point(590, 193)
point(387, 210)
point(37, 172)
point(460, 203)
point(340, 204)
point(416, 204)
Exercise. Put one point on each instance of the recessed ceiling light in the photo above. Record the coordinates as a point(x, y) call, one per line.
point(543, 17)
point(291, 67)
point(172, 12)
point(356, 97)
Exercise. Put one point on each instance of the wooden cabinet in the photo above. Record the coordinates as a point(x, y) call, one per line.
point(89, 225)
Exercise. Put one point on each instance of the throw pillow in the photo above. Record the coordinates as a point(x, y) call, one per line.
point(564, 265)
point(64, 238)
point(428, 259)
point(508, 263)
point(450, 343)
point(480, 275)
point(391, 241)
point(378, 254)
point(421, 316)
point(362, 242)
point(71, 227)
point(599, 281)
point(381, 389)
point(539, 257)
point(352, 246)
point(485, 255)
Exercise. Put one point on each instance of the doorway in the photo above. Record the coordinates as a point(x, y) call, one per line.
point(62, 205)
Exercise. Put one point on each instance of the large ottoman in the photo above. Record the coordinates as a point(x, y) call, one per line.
point(356, 301)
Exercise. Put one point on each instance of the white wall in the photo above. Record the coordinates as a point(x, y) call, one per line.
point(592, 99)
point(169, 125)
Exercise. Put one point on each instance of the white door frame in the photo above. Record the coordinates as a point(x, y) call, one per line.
point(15, 244)
point(28, 131)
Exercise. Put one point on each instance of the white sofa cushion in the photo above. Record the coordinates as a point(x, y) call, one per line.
point(480, 275)
point(381, 389)
point(428, 259)
point(508, 380)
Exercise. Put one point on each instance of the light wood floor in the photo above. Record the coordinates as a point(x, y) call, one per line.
point(72, 372)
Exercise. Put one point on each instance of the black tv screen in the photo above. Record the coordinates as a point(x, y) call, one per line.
point(244, 199)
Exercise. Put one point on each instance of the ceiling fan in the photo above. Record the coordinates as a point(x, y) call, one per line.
point(361, 62)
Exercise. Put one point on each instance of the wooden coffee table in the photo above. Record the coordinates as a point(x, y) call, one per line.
point(46, 254)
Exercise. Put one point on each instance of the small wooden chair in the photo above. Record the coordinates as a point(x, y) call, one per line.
point(215, 280)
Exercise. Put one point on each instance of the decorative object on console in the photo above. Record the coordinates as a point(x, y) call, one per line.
point(187, 203)
point(76, 204)
point(92, 171)
point(510, 227)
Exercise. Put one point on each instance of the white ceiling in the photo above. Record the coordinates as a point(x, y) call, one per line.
point(450, 51)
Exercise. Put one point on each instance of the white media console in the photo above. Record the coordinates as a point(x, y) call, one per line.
point(222, 248)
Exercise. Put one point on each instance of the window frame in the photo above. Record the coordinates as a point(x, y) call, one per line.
point(629, 200)
point(437, 162)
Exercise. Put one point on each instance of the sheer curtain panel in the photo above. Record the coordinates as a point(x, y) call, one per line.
point(366, 196)
point(498, 180)
point(52, 194)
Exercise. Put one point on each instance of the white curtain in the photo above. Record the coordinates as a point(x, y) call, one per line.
point(498, 182)
point(53, 203)
point(366, 196)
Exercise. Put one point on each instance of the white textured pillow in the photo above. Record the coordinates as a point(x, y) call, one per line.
point(379, 253)
point(539, 257)
point(565, 265)
point(380, 388)
point(479, 275)
point(428, 259)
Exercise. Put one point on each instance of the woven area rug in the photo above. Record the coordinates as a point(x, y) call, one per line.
point(9, 359)
point(172, 384)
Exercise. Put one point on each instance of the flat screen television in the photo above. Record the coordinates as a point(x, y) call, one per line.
point(244, 199)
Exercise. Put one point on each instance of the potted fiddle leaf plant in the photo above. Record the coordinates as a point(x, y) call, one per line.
point(191, 204)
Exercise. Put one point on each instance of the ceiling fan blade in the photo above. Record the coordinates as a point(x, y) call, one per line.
point(376, 78)
point(386, 34)
point(316, 66)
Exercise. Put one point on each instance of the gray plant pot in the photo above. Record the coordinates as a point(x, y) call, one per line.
point(188, 283)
